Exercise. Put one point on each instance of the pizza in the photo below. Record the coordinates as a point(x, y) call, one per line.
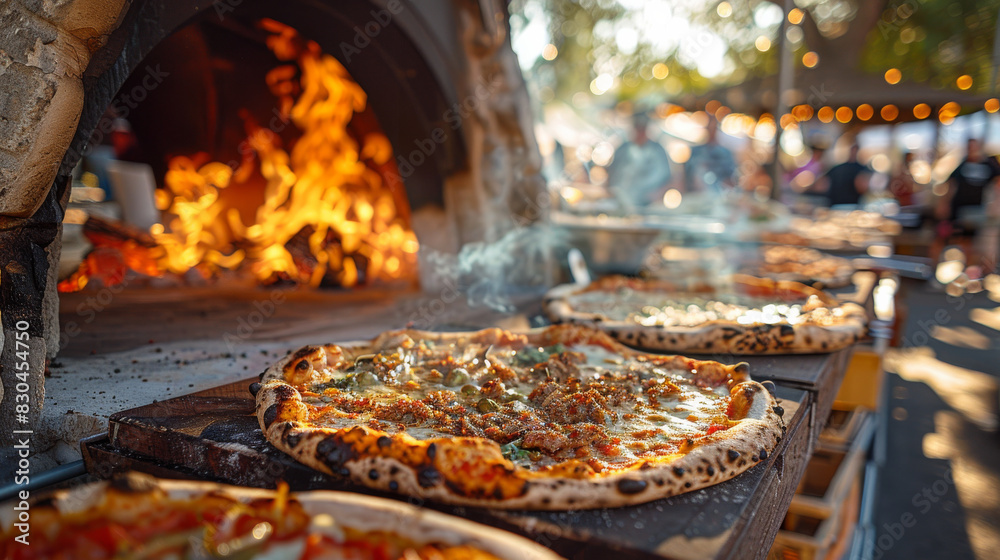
point(557, 418)
point(749, 316)
point(801, 264)
point(141, 517)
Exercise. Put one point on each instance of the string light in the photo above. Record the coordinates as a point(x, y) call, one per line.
point(810, 59)
point(889, 112)
point(825, 114)
point(865, 111)
point(992, 105)
point(964, 82)
point(795, 16)
point(802, 112)
point(922, 111)
point(893, 76)
point(844, 114)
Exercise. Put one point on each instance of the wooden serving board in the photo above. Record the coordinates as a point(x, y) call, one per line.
point(214, 435)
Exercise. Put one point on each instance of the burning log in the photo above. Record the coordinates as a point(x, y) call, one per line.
point(102, 231)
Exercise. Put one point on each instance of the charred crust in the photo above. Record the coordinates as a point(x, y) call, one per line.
point(428, 477)
point(687, 484)
point(778, 410)
point(394, 470)
point(763, 454)
point(301, 353)
point(284, 392)
point(261, 376)
point(393, 485)
point(678, 471)
point(384, 441)
point(270, 415)
point(710, 470)
point(431, 451)
point(733, 455)
point(302, 365)
point(786, 331)
point(255, 388)
point(290, 439)
point(334, 453)
point(629, 486)
point(742, 368)
point(373, 474)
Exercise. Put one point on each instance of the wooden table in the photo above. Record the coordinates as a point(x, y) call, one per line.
point(213, 435)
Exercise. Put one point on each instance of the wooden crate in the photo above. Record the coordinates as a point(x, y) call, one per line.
point(807, 538)
point(830, 474)
point(863, 380)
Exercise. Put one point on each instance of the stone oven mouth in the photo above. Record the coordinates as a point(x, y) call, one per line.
point(271, 167)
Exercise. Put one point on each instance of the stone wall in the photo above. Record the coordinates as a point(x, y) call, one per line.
point(45, 47)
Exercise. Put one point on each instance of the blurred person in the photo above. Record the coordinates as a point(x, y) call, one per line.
point(847, 181)
point(965, 192)
point(640, 168)
point(711, 165)
point(902, 185)
point(806, 177)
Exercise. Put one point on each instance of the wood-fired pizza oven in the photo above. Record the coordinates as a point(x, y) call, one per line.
point(441, 80)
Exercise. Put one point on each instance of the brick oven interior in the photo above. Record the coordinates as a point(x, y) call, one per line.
point(444, 73)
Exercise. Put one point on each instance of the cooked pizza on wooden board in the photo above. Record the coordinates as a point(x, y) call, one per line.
point(557, 418)
point(801, 264)
point(142, 517)
point(750, 316)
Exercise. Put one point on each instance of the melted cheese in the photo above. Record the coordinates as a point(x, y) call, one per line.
point(543, 405)
point(686, 310)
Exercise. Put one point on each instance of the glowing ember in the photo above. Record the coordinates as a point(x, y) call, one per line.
point(327, 211)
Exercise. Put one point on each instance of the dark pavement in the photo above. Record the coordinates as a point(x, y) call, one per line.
point(939, 493)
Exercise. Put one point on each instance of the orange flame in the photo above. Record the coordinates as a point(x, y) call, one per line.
point(321, 197)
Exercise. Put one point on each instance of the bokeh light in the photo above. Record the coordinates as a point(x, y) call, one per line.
point(810, 59)
point(964, 82)
point(992, 105)
point(725, 9)
point(893, 75)
point(889, 112)
point(865, 111)
point(922, 111)
point(825, 114)
point(844, 114)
